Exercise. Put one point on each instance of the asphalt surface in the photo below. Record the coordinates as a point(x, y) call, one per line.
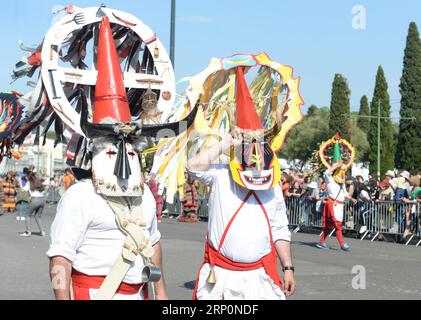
point(392, 271)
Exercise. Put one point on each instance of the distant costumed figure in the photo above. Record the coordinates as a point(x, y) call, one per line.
point(8, 187)
point(189, 202)
point(231, 148)
point(104, 235)
point(337, 155)
point(11, 111)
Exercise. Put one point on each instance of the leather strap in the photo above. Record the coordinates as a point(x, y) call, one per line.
point(135, 244)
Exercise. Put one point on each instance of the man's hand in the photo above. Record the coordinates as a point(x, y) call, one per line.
point(232, 139)
point(335, 166)
point(289, 283)
point(283, 249)
point(203, 160)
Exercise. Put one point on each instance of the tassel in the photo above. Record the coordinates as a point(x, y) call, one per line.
point(212, 276)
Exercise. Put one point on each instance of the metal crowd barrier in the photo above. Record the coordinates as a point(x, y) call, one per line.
point(379, 217)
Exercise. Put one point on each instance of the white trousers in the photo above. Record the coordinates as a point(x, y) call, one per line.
point(237, 285)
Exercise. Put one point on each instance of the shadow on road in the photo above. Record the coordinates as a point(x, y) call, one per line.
point(189, 284)
point(312, 245)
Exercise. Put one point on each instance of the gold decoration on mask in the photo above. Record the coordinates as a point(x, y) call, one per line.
point(150, 113)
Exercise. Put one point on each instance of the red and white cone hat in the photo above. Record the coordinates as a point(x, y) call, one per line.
point(111, 103)
point(247, 117)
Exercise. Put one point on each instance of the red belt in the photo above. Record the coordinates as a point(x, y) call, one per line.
point(268, 262)
point(94, 282)
point(329, 219)
point(213, 257)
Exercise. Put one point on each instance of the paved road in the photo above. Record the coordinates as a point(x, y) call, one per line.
point(392, 271)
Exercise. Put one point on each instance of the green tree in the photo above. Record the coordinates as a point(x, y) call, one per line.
point(339, 108)
point(312, 110)
point(364, 123)
point(306, 137)
point(408, 151)
point(381, 97)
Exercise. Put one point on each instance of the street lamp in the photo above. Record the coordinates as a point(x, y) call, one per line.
point(378, 117)
point(172, 33)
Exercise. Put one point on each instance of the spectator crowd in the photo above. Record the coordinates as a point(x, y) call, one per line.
point(397, 187)
point(25, 194)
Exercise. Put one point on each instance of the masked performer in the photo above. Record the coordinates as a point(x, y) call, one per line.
point(333, 210)
point(189, 202)
point(248, 226)
point(104, 239)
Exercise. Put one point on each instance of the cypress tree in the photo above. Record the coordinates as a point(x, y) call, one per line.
point(408, 151)
point(381, 97)
point(362, 122)
point(340, 107)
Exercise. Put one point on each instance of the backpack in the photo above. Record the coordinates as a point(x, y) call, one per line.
point(22, 196)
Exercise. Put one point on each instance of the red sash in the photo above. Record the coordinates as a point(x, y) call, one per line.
point(82, 283)
point(215, 258)
point(329, 219)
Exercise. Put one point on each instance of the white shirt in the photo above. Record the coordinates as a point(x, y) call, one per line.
point(85, 232)
point(36, 193)
point(334, 189)
point(248, 238)
point(338, 192)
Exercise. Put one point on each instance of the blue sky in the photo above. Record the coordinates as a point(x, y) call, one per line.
point(317, 38)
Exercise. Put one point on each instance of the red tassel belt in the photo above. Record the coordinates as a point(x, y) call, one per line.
point(215, 258)
point(268, 262)
point(94, 282)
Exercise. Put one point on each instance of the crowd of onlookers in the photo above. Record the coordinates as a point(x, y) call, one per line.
point(396, 186)
point(26, 194)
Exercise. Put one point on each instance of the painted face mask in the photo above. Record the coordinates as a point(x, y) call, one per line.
point(116, 169)
point(115, 162)
point(253, 164)
point(339, 175)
